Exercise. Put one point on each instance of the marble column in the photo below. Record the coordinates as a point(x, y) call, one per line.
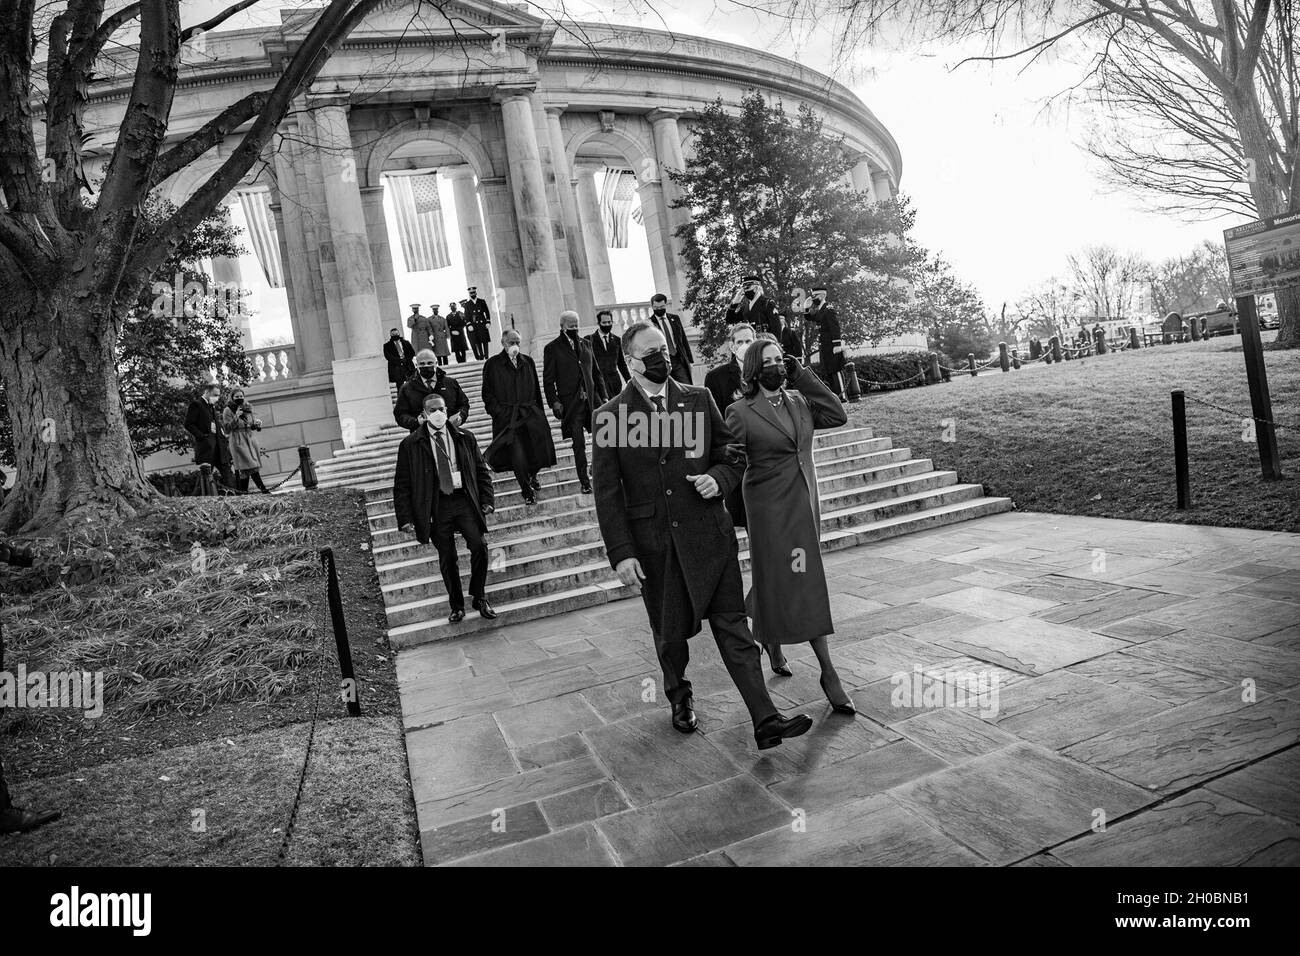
point(512, 299)
point(882, 186)
point(360, 378)
point(391, 311)
point(860, 175)
point(578, 268)
point(668, 150)
point(299, 255)
point(532, 212)
point(473, 236)
point(229, 277)
point(662, 258)
point(593, 234)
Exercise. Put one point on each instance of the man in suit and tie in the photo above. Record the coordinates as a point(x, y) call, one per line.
point(670, 327)
point(750, 305)
point(667, 535)
point(442, 487)
point(831, 346)
point(211, 444)
point(724, 384)
point(572, 390)
point(608, 351)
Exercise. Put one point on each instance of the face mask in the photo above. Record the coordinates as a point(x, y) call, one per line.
point(607, 328)
point(427, 373)
point(817, 300)
point(656, 367)
point(571, 333)
point(512, 350)
point(438, 418)
point(394, 336)
point(738, 349)
point(751, 294)
point(772, 376)
point(660, 309)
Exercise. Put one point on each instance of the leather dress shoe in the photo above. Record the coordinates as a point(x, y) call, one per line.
point(15, 820)
point(586, 487)
point(684, 716)
point(484, 609)
point(456, 616)
point(536, 485)
point(530, 500)
point(776, 728)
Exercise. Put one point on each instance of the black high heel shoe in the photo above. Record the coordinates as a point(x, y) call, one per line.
point(783, 668)
point(846, 708)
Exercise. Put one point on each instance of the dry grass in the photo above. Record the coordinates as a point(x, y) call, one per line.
point(1095, 437)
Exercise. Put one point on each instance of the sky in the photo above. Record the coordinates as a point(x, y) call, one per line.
point(1001, 186)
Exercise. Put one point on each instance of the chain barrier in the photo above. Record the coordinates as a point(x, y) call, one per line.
point(315, 692)
point(1228, 411)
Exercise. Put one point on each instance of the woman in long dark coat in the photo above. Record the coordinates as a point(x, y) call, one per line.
point(789, 602)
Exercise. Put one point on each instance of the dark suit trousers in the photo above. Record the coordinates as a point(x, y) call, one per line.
point(579, 441)
point(455, 513)
point(740, 654)
point(519, 465)
point(479, 347)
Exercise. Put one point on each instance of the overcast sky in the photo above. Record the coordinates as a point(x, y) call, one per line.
point(1001, 187)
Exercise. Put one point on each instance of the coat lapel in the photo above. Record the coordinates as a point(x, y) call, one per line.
point(764, 408)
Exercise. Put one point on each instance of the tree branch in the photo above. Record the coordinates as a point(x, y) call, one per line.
point(208, 136)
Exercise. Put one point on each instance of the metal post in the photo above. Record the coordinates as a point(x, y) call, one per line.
point(351, 693)
point(1056, 348)
point(1180, 450)
point(935, 375)
point(1133, 342)
point(1261, 405)
point(1004, 358)
point(970, 363)
point(206, 484)
point(1015, 358)
point(306, 468)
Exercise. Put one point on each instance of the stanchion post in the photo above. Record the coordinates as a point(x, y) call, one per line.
point(1261, 405)
point(970, 363)
point(1133, 341)
point(306, 468)
point(1056, 348)
point(351, 693)
point(1099, 340)
point(935, 375)
point(1180, 450)
point(206, 484)
point(1004, 357)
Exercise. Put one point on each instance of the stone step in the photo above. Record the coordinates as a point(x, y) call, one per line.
point(408, 601)
point(432, 625)
point(516, 545)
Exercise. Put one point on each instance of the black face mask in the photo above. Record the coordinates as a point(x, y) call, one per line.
point(656, 367)
point(751, 294)
point(428, 373)
point(817, 300)
point(771, 377)
point(394, 336)
point(607, 328)
point(571, 333)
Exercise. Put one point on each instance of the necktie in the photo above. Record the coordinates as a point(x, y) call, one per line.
point(659, 402)
point(666, 327)
point(444, 465)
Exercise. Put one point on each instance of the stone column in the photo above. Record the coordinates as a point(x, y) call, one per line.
point(536, 239)
point(361, 378)
point(662, 257)
point(227, 273)
point(668, 150)
point(473, 236)
point(564, 181)
point(507, 259)
point(313, 346)
point(881, 186)
point(593, 234)
point(861, 177)
point(381, 256)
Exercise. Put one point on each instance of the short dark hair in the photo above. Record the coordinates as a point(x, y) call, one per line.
point(658, 297)
point(754, 362)
point(432, 395)
point(633, 330)
point(605, 312)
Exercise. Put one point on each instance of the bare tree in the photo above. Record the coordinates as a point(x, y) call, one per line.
point(1107, 280)
point(1213, 83)
point(71, 265)
point(1048, 306)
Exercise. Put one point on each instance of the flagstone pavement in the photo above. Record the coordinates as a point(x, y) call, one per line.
point(1141, 707)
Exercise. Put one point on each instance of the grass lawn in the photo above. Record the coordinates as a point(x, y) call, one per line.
point(208, 620)
point(1095, 436)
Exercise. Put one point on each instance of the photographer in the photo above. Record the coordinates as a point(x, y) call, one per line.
point(15, 819)
point(245, 452)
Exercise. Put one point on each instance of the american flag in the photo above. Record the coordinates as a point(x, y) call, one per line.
point(256, 204)
point(617, 198)
point(419, 220)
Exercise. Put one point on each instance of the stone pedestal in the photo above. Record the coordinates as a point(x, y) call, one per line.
point(593, 234)
point(536, 239)
point(361, 391)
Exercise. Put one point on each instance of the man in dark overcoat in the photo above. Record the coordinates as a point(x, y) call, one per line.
point(724, 384)
point(429, 378)
point(521, 436)
point(607, 349)
point(211, 444)
point(572, 390)
point(666, 533)
point(400, 355)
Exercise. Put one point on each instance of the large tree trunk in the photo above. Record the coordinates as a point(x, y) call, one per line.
point(74, 453)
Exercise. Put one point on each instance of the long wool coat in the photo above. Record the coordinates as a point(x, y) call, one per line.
point(648, 510)
point(789, 603)
point(513, 397)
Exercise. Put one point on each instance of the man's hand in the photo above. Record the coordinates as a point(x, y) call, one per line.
point(558, 409)
point(630, 573)
point(407, 528)
point(705, 485)
point(488, 509)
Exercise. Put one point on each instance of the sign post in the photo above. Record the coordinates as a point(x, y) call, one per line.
point(1262, 256)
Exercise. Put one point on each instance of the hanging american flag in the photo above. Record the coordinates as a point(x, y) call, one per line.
point(419, 221)
point(256, 204)
point(616, 205)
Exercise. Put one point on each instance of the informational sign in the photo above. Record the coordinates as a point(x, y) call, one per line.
point(1264, 255)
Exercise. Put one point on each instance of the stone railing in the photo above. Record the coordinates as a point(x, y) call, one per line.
point(273, 363)
point(625, 313)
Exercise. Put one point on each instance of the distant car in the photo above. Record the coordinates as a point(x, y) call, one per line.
point(1269, 320)
point(1220, 322)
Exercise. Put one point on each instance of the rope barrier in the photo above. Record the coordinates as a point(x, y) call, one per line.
point(1237, 415)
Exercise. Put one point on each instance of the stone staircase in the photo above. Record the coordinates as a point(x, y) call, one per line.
point(549, 558)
